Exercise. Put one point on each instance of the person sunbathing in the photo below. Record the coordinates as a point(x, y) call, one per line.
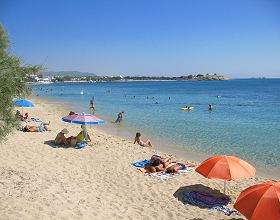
point(155, 159)
point(41, 128)
point(158, 163)
point(72, 113)
point(156, 166)
point(146, 143)
point(175, 168)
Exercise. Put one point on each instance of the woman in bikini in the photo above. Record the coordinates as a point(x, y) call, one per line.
point(147, 143)
point(178, 166)
point(158, 163)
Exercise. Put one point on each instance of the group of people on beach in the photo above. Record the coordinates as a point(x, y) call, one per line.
point(60, 138)
point(157, 163)
point(71, 141)
point(162, 164)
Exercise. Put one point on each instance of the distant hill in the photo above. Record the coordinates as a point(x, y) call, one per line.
point(68, 73)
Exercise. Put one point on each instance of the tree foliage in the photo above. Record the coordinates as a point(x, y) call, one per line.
point(12, 83)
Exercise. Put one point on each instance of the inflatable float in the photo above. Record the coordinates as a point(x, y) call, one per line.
point(187, 108)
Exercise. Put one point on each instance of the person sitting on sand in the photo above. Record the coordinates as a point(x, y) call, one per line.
point(81, 138)
point(175, 168)
point(18, 115)
point(147, 143)
point(25, 116)
point(60, 138)
point(41, 128)
point(72, 113)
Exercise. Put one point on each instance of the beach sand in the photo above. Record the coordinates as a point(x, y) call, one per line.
point(38, 181)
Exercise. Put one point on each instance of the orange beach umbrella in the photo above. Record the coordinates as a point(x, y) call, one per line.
point(261, 201)
point(225, 168)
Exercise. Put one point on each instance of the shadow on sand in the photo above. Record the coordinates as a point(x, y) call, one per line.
point(53, 145)
point(199, 187)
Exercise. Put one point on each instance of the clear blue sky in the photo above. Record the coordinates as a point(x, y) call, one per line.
point(240, 38)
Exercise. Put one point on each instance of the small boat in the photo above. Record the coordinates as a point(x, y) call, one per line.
point(187, 108)
point(82, 92)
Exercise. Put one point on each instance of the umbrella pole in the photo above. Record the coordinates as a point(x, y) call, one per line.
point(85, 132)
point(225, 186)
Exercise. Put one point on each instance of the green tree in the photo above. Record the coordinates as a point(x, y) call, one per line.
point(13, 75)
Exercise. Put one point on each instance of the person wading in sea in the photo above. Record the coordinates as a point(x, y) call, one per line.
point(91, 106)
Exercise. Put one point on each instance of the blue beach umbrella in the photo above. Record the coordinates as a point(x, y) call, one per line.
point(23, 103)
point(83, 119)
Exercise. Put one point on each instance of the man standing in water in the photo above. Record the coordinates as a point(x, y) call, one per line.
point(91, 106)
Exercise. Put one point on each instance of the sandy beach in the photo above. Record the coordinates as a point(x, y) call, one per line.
point(38, 181)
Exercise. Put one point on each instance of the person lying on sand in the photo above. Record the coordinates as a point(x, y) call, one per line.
point(41, 128)
point(155, 159)
point(72, 113)
point(156, 167)
point(158, 163)
point(146, 143)
point(175, 168)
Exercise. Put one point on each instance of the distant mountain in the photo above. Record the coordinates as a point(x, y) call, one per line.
point(68, 73)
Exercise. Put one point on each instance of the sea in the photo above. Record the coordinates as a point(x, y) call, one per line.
point(244, 121)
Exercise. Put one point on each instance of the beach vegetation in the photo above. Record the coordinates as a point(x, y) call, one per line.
point(13, 76)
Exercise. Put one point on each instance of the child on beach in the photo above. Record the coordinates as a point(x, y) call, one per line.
point(147, 143)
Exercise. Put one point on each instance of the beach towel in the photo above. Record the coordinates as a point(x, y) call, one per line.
point(168, 176)
point(164, 175)
point(141, 164)
point(81, 145)
point(206, 200)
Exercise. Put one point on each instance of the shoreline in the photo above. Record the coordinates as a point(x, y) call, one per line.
point(179, 152)
point(164, 145)
point(97, 182)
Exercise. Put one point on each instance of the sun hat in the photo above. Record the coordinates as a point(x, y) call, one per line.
point(64, 131)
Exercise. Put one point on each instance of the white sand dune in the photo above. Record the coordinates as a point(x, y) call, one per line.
point(38, 181)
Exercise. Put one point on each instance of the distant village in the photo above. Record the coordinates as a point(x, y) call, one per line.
point(45, 79)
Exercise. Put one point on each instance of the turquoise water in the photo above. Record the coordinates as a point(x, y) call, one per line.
point(244, 120)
